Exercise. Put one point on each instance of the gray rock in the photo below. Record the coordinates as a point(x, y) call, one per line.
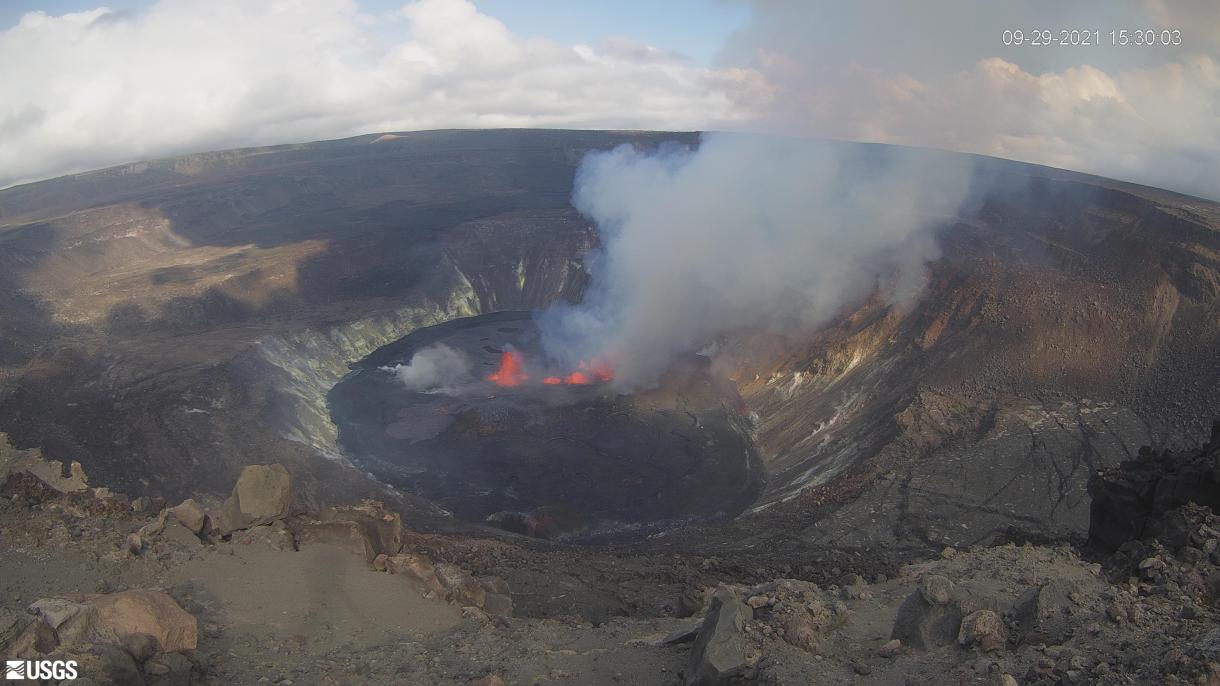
point(924, 625)
point(936, 589)
point(191, 515)
point(176, 532)
point(1043, 613)
point(721, 653)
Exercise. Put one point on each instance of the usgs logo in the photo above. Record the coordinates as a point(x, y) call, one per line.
point(63, 670)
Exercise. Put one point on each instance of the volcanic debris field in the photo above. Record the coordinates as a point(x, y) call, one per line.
point(213, 470)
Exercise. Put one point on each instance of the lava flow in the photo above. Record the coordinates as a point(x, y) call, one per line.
point(511, 372)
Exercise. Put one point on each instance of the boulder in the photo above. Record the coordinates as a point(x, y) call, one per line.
point(177, 532)
point(263, 494)
point(1043, 613)
point(191, 515)
point(416, 568)
point(460, 586)
point(800, 631)
point(165, 527)
point(931, 616)
point(890, 649)
point(721, 653)
point(134, 543)
point(140, 611)
point(936, 589)
point(982, 628)
point(58, 621)
point(928, 618)
point(127, 620)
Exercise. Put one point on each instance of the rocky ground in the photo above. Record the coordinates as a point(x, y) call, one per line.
point(253, 590)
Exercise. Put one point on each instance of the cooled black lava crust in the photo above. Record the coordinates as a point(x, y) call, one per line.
point(584, 461)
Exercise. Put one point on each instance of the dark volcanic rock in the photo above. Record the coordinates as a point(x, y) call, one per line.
point(1044, 614)
point(929, 617)
point(721, 653)
point(1128, 502)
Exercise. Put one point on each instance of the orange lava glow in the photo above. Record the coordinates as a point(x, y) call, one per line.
point(577, 379)
point(510, 372)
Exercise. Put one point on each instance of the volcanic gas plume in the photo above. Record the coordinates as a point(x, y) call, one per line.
point(744, 232)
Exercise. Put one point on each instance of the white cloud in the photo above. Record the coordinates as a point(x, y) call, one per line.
point(85, 90)
point(1156, 126)
point(1147, 114)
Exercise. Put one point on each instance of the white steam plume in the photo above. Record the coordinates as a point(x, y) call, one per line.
point(436, 368)
point(745, 232)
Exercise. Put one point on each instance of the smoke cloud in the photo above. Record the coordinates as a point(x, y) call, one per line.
point(437, 368)
point(745, 232)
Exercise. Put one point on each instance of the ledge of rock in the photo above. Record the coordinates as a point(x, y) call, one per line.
point(1129, 501)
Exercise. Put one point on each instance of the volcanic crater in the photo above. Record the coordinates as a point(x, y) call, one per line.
point(544, 452)
point(174, 320)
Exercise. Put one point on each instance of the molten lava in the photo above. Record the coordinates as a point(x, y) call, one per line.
point(511, 371)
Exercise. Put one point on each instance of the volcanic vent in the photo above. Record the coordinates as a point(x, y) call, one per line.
point(468, 415)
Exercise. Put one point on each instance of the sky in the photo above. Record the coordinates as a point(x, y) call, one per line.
point(85, 85)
